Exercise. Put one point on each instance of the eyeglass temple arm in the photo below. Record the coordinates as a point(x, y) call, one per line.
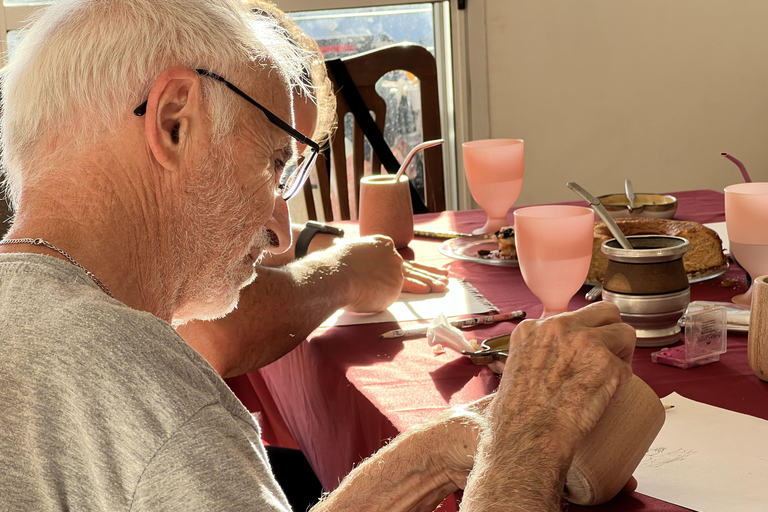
point(142, 110)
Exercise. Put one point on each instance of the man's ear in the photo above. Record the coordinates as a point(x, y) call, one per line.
point(174, 114)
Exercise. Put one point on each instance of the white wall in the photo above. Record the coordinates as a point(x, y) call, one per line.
point(651, 90)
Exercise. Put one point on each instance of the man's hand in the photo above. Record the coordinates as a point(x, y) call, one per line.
point(561, 374)
point(377, 272)
point(419, 278)
point(374, 271)
point(563, 371)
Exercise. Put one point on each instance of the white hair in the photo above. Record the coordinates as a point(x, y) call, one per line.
point(84, 65)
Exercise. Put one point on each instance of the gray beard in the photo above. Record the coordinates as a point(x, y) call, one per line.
point(214, 200)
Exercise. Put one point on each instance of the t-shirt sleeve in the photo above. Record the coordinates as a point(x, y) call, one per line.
point(210, 463)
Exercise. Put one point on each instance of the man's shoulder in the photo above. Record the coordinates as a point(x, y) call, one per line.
point(55, 323)
point(96, 387)
point(60, 304)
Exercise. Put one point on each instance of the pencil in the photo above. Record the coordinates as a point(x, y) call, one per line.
point(440, 235)
point(468, 322)
point(668, 407)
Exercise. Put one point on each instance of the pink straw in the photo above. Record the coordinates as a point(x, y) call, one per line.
point(740, 165)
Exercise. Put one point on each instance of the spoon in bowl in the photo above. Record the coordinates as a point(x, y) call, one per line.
point(601, 211)
point(630, 194)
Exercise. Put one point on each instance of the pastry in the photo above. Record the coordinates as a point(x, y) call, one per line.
point(505, 237)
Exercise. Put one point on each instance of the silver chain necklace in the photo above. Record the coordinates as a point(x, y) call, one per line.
point(40, 241)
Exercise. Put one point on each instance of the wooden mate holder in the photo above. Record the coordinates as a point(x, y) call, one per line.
point(609, 455)
point(757, 343)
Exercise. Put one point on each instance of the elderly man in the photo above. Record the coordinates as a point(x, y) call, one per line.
point(359, 274)
point(143, 146)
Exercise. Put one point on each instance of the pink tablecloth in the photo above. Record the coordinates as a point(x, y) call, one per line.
point(344, 392)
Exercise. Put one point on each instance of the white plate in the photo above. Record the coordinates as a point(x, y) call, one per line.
point(466, 247)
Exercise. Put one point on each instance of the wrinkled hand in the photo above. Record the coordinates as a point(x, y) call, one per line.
point(459, 453)
point(377, 273)
point(374, 270)
point(560, 376)
point(419, 278)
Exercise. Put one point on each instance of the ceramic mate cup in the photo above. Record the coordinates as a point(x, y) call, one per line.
point(757, 344)
point(385, 208)
point(609, 455)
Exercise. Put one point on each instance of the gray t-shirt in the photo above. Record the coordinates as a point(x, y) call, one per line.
point(103, 407)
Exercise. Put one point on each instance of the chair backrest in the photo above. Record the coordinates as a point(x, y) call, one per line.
point(366, 69)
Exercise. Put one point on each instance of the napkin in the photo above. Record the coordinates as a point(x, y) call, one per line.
point(441, 332)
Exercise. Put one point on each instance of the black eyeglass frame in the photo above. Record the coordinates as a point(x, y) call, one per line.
point(292, 180)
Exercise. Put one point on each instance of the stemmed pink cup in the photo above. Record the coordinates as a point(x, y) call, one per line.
point(554, 248)
point(494, 170)
point(746, 218)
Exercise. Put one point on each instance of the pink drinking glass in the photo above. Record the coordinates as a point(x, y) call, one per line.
point(554, 248)
point(746, 217)
point(494, 170)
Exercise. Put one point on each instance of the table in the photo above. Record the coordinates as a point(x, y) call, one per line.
point(342, 393)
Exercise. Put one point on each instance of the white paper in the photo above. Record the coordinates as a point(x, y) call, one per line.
point(708, 459)
point(722, 231)
point(461, 298)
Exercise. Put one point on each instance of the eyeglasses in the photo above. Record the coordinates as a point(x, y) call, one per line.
point(293, 177)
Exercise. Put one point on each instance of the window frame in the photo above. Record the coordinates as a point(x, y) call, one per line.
point(459, 41)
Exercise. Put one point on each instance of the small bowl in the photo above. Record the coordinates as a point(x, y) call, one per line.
point(657, 206)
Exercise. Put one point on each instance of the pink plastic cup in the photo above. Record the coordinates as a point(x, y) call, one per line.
point(554, 249)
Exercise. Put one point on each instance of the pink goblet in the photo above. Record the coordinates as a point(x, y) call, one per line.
point(746, 217)
point(494, 170)
point(554, 248)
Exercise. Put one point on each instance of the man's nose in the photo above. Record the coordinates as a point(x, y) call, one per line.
point(280, 226)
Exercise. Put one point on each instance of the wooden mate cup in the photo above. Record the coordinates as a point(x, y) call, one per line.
point(757, 343)
point(609, 455)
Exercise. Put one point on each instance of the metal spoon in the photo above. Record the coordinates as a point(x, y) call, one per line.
point(594, 293)
point(600, 209)
point(630, 194)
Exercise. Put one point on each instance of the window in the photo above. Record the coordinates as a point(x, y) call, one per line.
point(357, 25)
point(345, 32)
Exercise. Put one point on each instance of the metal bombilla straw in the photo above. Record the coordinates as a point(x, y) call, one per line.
point(407, 161)
point(601, 211)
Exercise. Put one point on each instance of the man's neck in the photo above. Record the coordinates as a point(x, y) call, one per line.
point(104, 234)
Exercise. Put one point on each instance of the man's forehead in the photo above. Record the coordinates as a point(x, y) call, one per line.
point(272, 92)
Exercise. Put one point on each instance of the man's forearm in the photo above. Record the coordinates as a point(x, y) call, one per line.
point(275, 313)
point(515, 475)
point(408, 474)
